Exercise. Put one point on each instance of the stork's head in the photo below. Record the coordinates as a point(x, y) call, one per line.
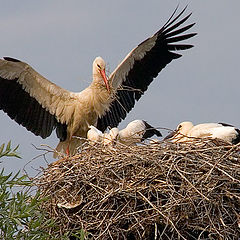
point(99, 71)
point(182, 129)
point(94, 134)
point(114, 133)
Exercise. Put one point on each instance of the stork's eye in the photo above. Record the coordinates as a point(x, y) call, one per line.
point(98, 66)
point(179, 127)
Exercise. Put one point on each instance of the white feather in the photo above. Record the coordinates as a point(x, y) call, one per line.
point(186, 131)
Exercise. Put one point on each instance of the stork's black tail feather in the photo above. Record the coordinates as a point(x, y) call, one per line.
point(150, 131)
point(237, 139)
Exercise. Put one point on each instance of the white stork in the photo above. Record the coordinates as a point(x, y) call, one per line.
point(136, 131)
point(186, 130)
point(41, 106)
point(111, 137)
point(94, 135)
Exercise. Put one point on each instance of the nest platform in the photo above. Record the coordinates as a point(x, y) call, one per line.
point(154, 191)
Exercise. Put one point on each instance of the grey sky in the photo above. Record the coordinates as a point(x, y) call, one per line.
point(60, 39)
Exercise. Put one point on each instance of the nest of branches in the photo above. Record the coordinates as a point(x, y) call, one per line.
point(155, 191)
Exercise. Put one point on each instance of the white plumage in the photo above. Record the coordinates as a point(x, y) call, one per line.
point(41, 106)
point(135, 132)
point(94, 135)
point(111, 137)
point(186, 130)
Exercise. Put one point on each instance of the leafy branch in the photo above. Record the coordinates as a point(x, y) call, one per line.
point(8, 151)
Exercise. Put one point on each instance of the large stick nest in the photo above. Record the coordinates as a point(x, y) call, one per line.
point(155, 191)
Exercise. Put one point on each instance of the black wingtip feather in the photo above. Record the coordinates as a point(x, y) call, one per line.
point(178, 47)
point(225, 124)
point(180, 38)
point(147, 67)
point(173, 20)
point(10, 59)
point(168, 29)
point(170, 18)
point(150, 131)
point(179, 31)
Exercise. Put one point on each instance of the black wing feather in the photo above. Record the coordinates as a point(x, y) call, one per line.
point(26, 111)
point(150, 131)
point(226, 124)
point(166, 28)
point(146, 69)
point(179, 31)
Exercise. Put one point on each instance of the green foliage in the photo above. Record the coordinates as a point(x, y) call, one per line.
point(7, 151)
point(21, 216)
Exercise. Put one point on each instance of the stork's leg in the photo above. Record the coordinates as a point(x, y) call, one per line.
point(67, 150)
point(68, 146)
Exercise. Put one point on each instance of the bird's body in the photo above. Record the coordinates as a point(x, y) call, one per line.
point(187, 131)
point(111, 138)
point(94, 135)
point(41, 106)
point(136, 131)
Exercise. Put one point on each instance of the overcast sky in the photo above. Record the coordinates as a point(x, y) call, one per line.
point(60, 39)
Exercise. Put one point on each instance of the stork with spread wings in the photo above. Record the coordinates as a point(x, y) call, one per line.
point(41, 106)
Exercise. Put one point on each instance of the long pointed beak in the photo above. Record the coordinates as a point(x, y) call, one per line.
point(170, 135)
point(103, 74)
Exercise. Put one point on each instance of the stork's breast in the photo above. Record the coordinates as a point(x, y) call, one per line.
point(92, 104)
point(100, 101)
point(83, 117)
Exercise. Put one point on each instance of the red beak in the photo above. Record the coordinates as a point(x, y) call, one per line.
point(105, 79)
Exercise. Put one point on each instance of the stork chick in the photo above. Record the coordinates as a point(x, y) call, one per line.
point(186, 130)
point(137, 131)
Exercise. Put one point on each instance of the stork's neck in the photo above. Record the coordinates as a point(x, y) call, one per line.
point(99, 98)
point(98, 85)
point(97, 78)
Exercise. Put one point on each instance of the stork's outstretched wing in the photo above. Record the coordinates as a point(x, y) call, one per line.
point(135, 73)
point(33, 101)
